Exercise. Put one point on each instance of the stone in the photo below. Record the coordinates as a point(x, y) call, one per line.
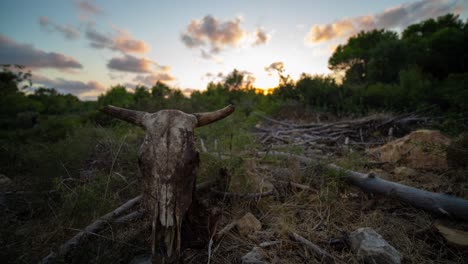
point(372, 248)
point(6, 184)
point(421, 149)
point(254, 256)
point(142, 259)
point(405, 172)
point(248, 224)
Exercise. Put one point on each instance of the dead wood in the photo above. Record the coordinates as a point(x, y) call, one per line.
point(231, 195)
point(273, 120)
point(112, 217)
point(320, 253)
point(294, 184)
point(130, 217)
point(332, 135)
point(438, 203)
point(93, 228)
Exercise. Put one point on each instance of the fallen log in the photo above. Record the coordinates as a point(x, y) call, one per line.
point(438, 203)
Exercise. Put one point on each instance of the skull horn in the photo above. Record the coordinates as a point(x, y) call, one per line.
point(131, 116)
point(210, 117)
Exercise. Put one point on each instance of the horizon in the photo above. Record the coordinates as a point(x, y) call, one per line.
point(86, 47)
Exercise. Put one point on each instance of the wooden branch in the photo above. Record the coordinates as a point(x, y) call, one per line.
point(295, 184)
point(273, 120)
point(100, 223)
point(241, 195)
point(433, 202)
point(320, 253)
point(130, 217)
point(94, 227)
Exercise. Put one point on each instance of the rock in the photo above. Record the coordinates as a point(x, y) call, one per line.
point(405, 172)
point(248, 224)
point(372, 248)
point(6, 184)
point(254, 256)
point(142, 259)
point(421, 149)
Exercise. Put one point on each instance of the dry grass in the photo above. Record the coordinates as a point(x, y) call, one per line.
point(329, 212)
point(326, 214)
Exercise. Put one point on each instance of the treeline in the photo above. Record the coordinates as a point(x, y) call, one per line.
point(380, 70)
point(424, 66)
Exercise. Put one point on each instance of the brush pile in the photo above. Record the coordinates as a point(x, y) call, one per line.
point(362, 132)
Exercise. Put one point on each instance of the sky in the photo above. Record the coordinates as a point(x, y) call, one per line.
point(84, 47)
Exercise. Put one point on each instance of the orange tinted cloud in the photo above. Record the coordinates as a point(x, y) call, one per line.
point(396, 17)
point(125, 43)
point(153, 78)
point(213, 35)
point(261, 37)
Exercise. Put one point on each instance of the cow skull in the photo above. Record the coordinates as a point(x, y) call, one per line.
point(168, 162)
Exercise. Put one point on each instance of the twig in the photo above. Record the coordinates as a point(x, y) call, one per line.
point(241, 195)
point(202, 145)
point(112, 166)
point(294, 184)
point(320, 253)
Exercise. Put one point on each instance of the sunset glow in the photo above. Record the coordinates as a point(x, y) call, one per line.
point(85, 47)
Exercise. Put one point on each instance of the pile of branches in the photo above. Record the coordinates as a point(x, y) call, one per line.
point(369, 130)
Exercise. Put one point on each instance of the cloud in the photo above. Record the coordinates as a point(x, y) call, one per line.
point(149, 71)
point(129, 63)
point(220, 77)
point(89, 8)
point(74, 87)
point(212, 35)
point(12, 52)
point(277, 66)
point(211, 76)
point(396, 17)
point(98, 40)
point(68, 31)
point(153, 78)
point(121, 41)
point(261, 37)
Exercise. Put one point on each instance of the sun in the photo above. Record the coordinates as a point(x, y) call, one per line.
point(265, 81)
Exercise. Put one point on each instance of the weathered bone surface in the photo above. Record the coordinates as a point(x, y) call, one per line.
point(168, 162)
